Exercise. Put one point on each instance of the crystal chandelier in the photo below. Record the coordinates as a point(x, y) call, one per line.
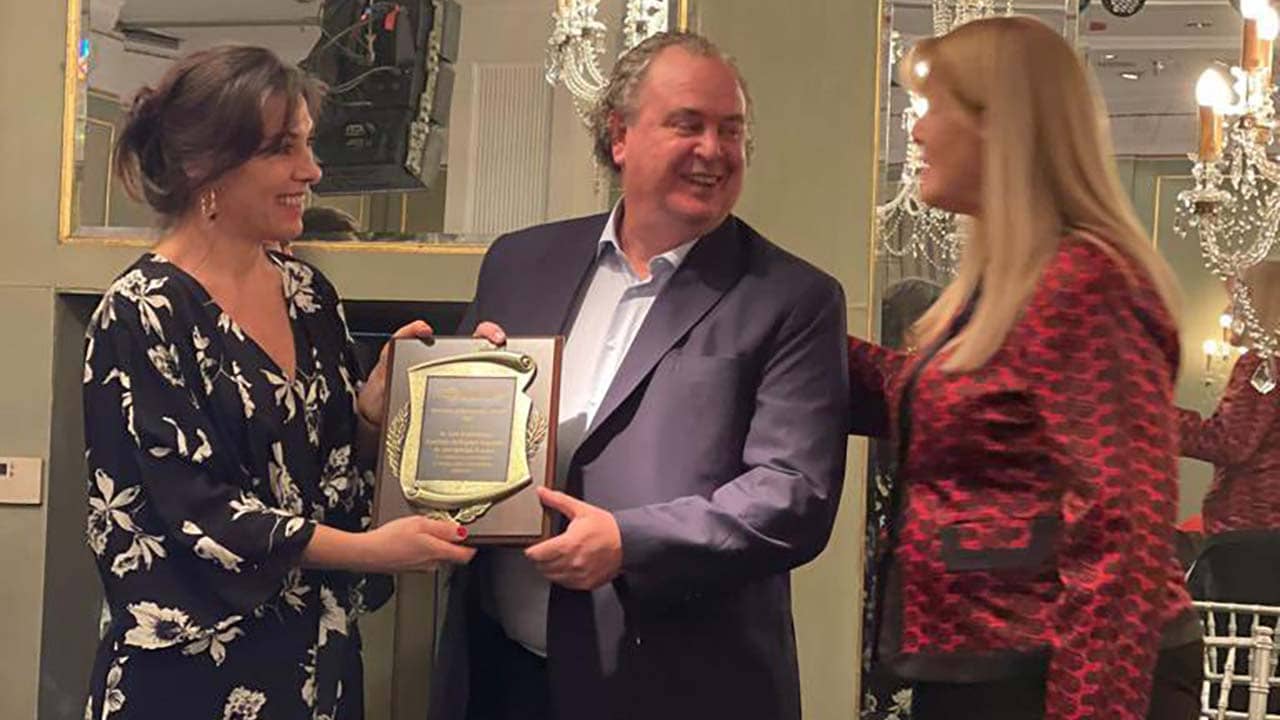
point(578, 38)
point(1233, 208)
point(951, 14)
point(905, 226)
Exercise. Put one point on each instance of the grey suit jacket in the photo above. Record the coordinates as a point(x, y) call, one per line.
point(720, 449)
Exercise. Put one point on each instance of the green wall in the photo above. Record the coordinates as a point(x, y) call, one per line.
point(811, 69)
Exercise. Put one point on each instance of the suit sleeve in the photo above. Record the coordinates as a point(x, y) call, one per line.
point(778, 513)
point(1237, 427)
point(475, 312)
point(1103, 386)
point(871, 369)
point(470, 318)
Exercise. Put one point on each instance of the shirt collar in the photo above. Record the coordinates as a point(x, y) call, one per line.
point(672, 258)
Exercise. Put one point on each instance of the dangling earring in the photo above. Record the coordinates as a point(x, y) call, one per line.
point(209, 204)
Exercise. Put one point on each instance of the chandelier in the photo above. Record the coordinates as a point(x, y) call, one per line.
point(578, 41)
point(905, 226)
point(951, 14)
point(1233, 208)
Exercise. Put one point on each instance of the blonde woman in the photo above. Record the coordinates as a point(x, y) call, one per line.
point(1241, 439)
point(1029, 569)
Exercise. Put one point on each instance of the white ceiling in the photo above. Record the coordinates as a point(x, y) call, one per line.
point(289, 27)
point(1167, 44)
point(119, 67)
point(233, 12)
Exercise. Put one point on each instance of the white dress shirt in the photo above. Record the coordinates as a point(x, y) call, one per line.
point(609, 314)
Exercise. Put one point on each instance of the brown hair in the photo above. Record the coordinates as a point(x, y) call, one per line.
point(329, 223)
point(203, 119)
point(630, 71)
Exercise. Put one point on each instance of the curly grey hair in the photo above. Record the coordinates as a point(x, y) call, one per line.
point(630, 71)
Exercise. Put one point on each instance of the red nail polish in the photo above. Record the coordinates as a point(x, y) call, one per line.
point(462, 532)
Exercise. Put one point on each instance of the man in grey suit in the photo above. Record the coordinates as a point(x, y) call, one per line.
point(701, 436)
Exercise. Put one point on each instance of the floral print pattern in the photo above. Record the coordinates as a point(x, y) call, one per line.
point(208, 469)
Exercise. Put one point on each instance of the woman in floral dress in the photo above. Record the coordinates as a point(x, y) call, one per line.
point(229, 439)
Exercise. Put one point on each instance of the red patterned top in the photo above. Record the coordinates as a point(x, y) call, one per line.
point(1242, 440)
point(1040, 494)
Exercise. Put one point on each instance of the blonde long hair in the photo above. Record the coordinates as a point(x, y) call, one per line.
point(1047, 172)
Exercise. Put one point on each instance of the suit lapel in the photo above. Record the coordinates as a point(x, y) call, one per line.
point(559, 275)
point(709, 271)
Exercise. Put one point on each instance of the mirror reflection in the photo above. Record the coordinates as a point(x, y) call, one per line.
point(439, 125)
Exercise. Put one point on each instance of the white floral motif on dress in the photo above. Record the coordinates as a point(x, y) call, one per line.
point(158, 627)
point(335, 481)
point(317, 394)
point(113, 698)
point(347, 384)
point(107, 511)
point(229, 326)
point(343, 372)
point(282, 485)
point(142, 552)
point(333, 618)
point(214, 642)
point(312, 390)
point(298, 288)
point(309, 685)
point(285, 392)
point(142, 292)
point(246, 399)
point(366, 490)
point(210, 549)
point(126, 399)
point(203, 449)
point(243, 704)
point(294, 591)
point(209, 368)
point(355, 598)
point(248, 503)
point(88, 360)
point(165, 361)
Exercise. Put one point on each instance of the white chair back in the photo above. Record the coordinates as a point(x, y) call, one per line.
point(1240, 656)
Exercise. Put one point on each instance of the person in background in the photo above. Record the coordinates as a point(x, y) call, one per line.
point(883, 694)
point(320, 222)
point(1240, 559)
point(229, 437)
point(1027, 570)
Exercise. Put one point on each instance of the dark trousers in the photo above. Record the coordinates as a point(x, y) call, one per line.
point(1175, 695)
point(507, 681)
